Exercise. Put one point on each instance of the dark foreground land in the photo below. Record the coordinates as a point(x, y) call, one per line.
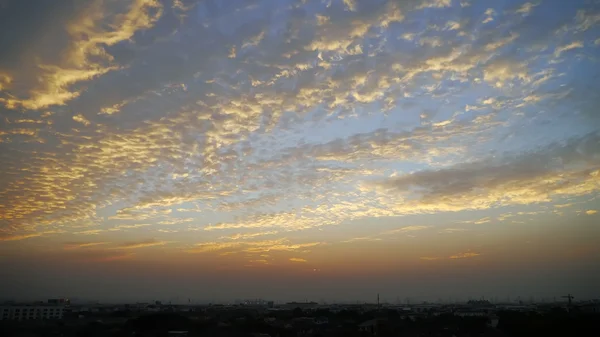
point(316, 323)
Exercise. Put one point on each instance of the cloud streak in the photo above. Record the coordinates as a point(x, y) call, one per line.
point(141, 244)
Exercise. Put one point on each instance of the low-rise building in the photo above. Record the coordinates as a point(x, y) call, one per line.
point(30, 312)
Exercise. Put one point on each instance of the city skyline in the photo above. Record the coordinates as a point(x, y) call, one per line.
point(297, 149)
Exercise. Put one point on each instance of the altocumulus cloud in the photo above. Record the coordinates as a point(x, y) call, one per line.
point(168, 107)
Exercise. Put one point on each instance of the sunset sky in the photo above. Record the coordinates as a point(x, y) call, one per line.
point(299, 149)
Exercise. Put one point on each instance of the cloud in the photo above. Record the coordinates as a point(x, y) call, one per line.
point(81, 119)
point(18, 237)
point(430, 258)
point(591, 212)
point(120, 227)
point(5, 81)
point(526, 8)
point(521, 180)
point(243, 236)
point(141, 244)
point(406, 229)
point(586, 19)
point(500, 72)
point(434, 4)
point(573, 45)
point(86, 56)
point(478, 221)
point(12, 236)
point(282, 244)
point(464, 255)
point(297, 259)
point(453, 230)
point(76, 245)
point(90, 232)
point(139, 106)
point(378, 236)
point(363, 238)
point(489, 15)
point(351, 5)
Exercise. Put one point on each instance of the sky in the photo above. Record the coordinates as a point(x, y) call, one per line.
point(299, 149)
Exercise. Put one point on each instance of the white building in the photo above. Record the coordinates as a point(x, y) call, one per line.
point(30, 312)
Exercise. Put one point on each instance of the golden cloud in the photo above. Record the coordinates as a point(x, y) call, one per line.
point(5, 81)
point(86, 57)
point(297, 259)
point(282, 244)
point(81, 119)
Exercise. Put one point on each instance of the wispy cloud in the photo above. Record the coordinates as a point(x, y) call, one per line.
point(453, 230)
point(18, 237)
point(12, 236)
point(405, 229)
point(573, 45)
point(379, 236)
point(90, 232)
point(282, 244)
point(591, 212)
point(244, 236)
point(430, 258)
point(464, 255)
point(526, 8)
point(121, 227)
point(76, 245)
point(297, 259)
point(141, 244)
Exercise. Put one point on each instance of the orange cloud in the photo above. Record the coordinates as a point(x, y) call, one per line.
point(297, 259)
